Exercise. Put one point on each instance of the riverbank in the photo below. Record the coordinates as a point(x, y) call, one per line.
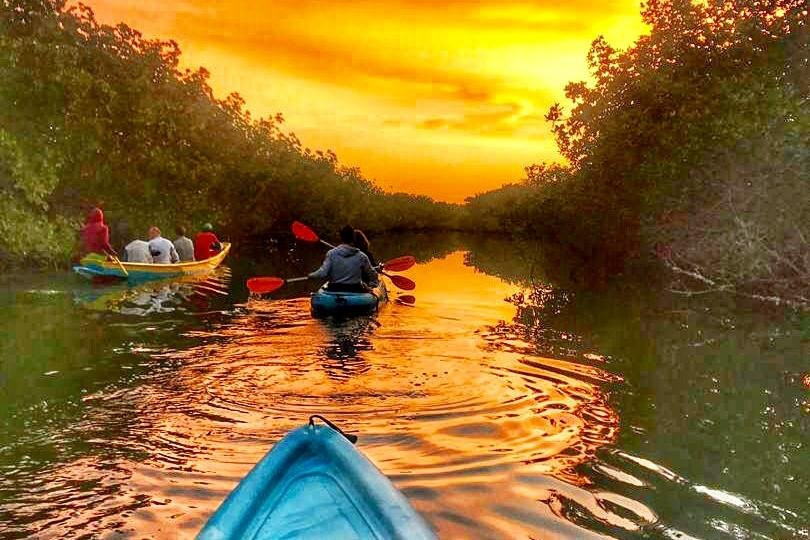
point(690, 146)
point(148, 141)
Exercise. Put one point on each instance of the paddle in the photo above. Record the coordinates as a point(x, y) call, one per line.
point(400, 264)
point(120, 264)
point(406, 300)
point(306, 234)
point(268, 284)
point(400, 281)
point(302, 232)
point(265, 285)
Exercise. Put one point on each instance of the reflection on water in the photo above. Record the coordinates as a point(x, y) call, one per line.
point(501, 410)
point(154, 297)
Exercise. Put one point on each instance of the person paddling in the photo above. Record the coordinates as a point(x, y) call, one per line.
point(345, 267)
point(206, 243)
point(95, 235)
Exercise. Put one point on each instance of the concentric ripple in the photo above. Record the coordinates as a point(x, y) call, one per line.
point(444, 404)
point(190, 387)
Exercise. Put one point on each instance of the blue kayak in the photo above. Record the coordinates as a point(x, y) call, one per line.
point(314, 484)
point(325, 302)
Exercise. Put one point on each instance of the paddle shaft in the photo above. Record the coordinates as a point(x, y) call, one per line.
point(330, 246)
point(305, 233)
point(120, 264)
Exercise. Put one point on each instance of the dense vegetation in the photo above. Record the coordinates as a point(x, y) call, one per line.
point(97, 115)
point(693, 144)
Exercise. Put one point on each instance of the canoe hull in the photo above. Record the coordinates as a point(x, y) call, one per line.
point(315, 484)
point(93, 268)
point(324, 303)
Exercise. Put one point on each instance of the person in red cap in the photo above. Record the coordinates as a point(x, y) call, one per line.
point(95, 234)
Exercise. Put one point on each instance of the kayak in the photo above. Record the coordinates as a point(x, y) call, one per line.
point(95, 266)
point(315, 484)
point(325, 302)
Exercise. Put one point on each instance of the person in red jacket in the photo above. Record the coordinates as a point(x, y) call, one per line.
point(95, 234)
point(206, 243)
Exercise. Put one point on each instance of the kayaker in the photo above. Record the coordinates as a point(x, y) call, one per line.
point(161, 249)
point(137, 251)
point(206, 243)
point(95, 234)
point(346, 268)
point(183, 245)
point(361, 242)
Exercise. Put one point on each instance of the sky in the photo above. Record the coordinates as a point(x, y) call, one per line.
point(444, 98)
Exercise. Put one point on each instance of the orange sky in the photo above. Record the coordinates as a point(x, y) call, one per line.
point(444, 98)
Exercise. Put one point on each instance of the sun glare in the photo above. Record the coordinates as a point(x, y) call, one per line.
point(446, 101)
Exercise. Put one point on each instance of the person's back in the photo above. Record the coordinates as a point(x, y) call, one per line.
point(137, 251)
point(162, 250)
point(95, 234)
point(345, 267)
point(184, 246)
point(206, 243)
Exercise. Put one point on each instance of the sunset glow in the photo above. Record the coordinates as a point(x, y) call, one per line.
point(442, 99)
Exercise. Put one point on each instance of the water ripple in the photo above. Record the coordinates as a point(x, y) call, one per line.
point(494, 427)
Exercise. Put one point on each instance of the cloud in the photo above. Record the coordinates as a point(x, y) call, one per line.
point(505, 120)
point(386, 83)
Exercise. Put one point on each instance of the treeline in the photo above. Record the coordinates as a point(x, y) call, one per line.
point(693, 145)
point(97, 115)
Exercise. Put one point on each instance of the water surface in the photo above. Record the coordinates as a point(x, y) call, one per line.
point(506, 404)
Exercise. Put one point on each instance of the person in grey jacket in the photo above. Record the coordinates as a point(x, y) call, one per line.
point(183, 245)
point(345, 267)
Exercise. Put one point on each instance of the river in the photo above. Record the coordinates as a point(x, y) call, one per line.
point(505, 403)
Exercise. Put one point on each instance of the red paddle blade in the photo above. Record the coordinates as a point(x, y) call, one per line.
point(406, 300)
point(264, 285)
point(302, 232)
point(402, 282)
point(400, 264)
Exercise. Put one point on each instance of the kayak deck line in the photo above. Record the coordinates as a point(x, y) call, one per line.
point(315, 484)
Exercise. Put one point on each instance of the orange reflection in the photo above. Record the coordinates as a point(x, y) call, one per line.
point(471, 425)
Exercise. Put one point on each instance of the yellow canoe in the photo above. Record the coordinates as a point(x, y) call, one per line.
point(91, 267)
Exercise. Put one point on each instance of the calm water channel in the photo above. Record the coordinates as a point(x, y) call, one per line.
point(505, 404)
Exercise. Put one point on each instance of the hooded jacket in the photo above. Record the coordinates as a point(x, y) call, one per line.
point(95, 234)
point(346, 265)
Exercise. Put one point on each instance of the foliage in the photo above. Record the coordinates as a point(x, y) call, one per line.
point(708, 114)
point(97, 115)
point(26, 179)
